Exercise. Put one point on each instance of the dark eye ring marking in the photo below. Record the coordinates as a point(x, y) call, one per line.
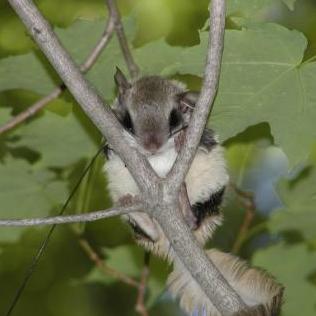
point(127, 122)
point(175, 119)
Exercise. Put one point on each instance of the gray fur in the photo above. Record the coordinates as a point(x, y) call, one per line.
point(208, 139)
point(147, 103)
point(257, 288)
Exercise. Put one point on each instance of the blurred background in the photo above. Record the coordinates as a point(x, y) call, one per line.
point(37, 174)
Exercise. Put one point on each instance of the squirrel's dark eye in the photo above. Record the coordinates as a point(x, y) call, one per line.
point(174, 119)
point(127, 122)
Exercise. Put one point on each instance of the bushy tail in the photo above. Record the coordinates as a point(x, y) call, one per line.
point(257, 288)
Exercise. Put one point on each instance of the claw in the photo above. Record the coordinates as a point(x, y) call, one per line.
point(143, 226)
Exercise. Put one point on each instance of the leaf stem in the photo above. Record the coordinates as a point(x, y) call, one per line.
point(309, 60)
point(102, 266)
point(247, 200)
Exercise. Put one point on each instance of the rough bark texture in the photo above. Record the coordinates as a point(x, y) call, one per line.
point(160, 196)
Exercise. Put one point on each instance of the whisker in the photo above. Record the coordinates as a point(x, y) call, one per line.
point(178, 130)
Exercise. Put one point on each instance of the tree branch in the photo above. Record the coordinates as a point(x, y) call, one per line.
point(205, 102)
point(90, 101)
point(247, 200)
point(32, 110)
point(94, 257)
point(160, 196)
point(226, 300)
point(100, 46)
point(190, 254)
point(86, 66)
point(86, 95)
point(114, 12)
point(66, 219)
point(140, 302)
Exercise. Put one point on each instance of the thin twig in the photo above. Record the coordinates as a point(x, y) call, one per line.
point(86, 66)
point(32, 110)
point(140, 302)
point(66, 219)
point(247, 200)
point(100, 46)
point(104, 268)
point(131, 65)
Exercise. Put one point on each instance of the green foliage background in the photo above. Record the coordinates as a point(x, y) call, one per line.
point(265, 113)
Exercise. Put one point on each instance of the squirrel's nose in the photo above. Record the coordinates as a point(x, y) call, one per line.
point(152, 142)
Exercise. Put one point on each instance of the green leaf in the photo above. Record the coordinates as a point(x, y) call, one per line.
point(299, 211)
point(60, 141)
point(25, 72)
point(248, 94)
point(60, 107)
point(4, 118)
point(31, 72)
point(263, 78)
point(312, 157)
point(4, 115)
point(71, 10)
point(125, 259)
point(158, 274)
point(255, 9)
point(246, 8)
point(242, 156)
point(292, 266)
point(26, 193)
point(97, 276)
point(129, 261)
point(11, 29)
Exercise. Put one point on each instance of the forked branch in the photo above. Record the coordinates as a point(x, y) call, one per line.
point(160, 196)
point(205, 102)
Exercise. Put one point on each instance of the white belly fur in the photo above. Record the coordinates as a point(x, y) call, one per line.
point(207, 174)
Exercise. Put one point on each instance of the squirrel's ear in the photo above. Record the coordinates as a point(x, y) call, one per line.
point(121, 81)
point(187, 100)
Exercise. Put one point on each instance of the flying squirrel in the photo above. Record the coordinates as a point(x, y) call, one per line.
point(154, 112)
